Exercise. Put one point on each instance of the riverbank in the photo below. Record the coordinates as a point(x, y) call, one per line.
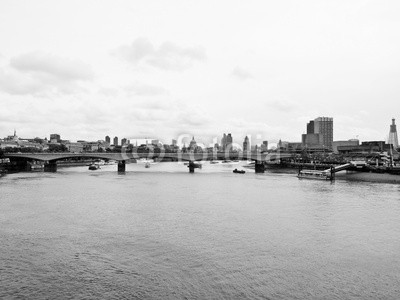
point(368, 176)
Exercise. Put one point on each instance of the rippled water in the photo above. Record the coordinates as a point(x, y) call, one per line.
point(162, 233)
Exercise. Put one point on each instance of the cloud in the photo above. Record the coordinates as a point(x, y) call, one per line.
point(39, 73)
point(168, 56)
point(282, 105)
point(140, 89)
point(53, 66)
point(241, 74)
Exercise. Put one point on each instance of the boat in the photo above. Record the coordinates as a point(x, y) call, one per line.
point(239, 171)
point(94, 167)
point(144, 161)
point(36, 166)
point(100, 162)
point(315, 174)
point(214, 162)
point(147, 165)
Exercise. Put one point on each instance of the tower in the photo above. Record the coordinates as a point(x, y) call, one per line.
point(393, 135)
point(246, 144)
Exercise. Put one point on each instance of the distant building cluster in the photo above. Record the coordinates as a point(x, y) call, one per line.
point(318, 138)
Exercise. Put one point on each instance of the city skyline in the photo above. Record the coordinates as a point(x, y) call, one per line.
point(159, 70)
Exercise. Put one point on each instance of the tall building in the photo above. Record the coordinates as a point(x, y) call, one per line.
point(310, 127)
point(223, 142)
point(108, 139)
point(124, 142)
point(264, 146)
point(324, 126)
point(116, 141)
point(319, 133)
point(229, 141)
point(246, 144)
point(393, 135)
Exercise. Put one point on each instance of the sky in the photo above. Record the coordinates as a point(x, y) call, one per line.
point(164, 69)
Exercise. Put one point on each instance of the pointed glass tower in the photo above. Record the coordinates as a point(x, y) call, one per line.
point(393, 135)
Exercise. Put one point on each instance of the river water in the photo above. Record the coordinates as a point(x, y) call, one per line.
point(162, 233)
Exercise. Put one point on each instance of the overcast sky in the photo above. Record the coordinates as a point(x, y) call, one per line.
point(157, 69)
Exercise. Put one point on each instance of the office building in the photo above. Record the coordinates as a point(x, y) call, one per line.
point(116, 141)
point(108, 140)
point(319, 134)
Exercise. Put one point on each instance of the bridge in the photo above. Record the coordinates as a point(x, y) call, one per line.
point(51, 159)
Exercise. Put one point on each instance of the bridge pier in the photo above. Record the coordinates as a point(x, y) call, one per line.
point(259, 167)
point(191, 166)
point(121, 166)
point(50, 166)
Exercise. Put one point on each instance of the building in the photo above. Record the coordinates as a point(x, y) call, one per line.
point(116, 141)
point(393, 135)
point(264, 146)
point(246, 144)
point(324, 126)
point(55, 138)
point(74, 147)
point(223, 142)
point(193, 144)
point(108, 140)
point(340, 144)
point(123, 142)
point(319, 134)
point(229, 142)
point(310, 127)
point(367, 147)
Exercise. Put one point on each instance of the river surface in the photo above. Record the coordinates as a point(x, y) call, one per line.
point(162, 233)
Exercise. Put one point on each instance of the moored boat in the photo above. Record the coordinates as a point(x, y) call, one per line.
point(239, 171)
point(315, 174)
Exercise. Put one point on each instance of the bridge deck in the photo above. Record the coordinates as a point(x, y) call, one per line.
point(126, 156)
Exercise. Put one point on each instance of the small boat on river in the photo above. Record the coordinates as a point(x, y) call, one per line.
point(239, 171)
point(93, 167)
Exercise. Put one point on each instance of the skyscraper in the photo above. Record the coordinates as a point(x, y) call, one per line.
point(229, 141)
point(223, 142)
point(108, 139)
point(116, 141)
point(393, 135)
point(124, 142)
